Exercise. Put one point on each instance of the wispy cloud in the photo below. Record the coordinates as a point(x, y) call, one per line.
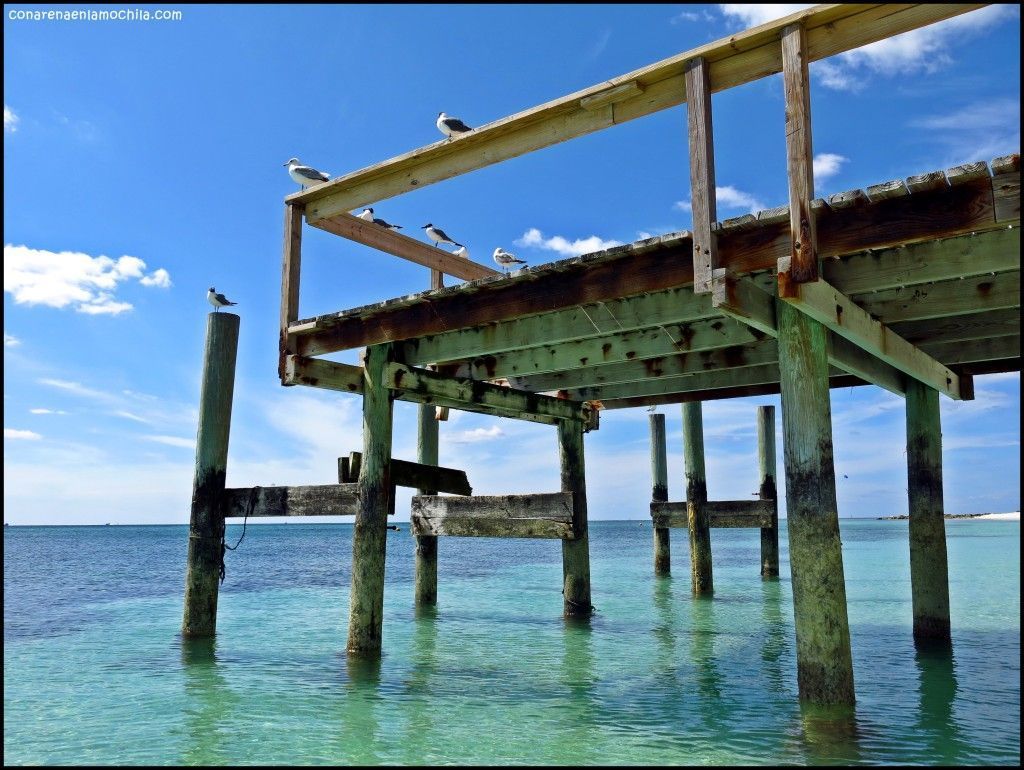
point(11, 120)
point(534, 238)
point(73, 387)
point(599, 46)
point(70, 278)
point(40, 410)
point(728, 197)
point(22, 435)
point(977, 131)
point(826, 165)
point(10, 341)
point(476, 435)
point(130, 416)
point(184, 443)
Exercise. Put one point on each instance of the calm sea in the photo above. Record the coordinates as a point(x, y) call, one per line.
point(95, 672)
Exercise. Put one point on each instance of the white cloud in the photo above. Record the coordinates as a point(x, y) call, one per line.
point(11, 120)
point(685, 16)
point(26, 435)
point(755, 14)
point(683, 205)
point(827, 164)
point(184, 443)
point(535, 238)
point(46, 411)
point(476, 435)
point(10, 341)
point(70, 278)
point(728, 197)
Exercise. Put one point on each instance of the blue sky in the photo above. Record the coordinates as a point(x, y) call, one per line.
point(142, 164)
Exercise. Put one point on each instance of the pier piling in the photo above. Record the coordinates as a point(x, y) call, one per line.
point(697, 512)
point(206, 523)
point(426, 545)
point(659, 493)
point(768, 490)
point(575, 552)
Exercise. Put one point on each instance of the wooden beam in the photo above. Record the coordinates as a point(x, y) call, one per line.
point(421, 476)
point(702, 173)
point(803, 265)
point(651, 266)
point(994, 349)
point(321, 500)
point(948, 298)
point(536, 516)
point(838, 313)
point(1006, 188)
point(959, 328)
point(738, 59)
point(291, 269)
point(383, 239)
point(722, 514)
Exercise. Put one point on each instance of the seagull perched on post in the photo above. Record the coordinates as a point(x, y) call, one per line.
point(438, 236)
point(217, 300)
point(367, 215)
point(451, 126)
point(307, 176)
point(506, 260)
point(462, 251)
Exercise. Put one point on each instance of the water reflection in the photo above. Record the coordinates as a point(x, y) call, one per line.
point(578, 678)
point(702, 650)
point(208, 703)
point(830, 734)
point(940, 732)
point(775, 648)
point(421, 709)
point(358, 721)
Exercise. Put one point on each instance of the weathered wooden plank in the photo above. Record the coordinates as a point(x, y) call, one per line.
point(892, 189)
point(735, 60)
point(1006, 188)
point(291, 269)
point(323, 374)
point(848, 199)
point(421, 476)
point(634, 270)
point(948, 298)
point(967, 172)
point(320, 500)
point(659, 493)
point(959, 328)
point(702, 172)
point(994, 349)
point(934, 180)
point(716, 378)
point(538, 516)
point(767, 491)
point(206, 520)
point(383, 239)
point(611, 95)
point(721, 514)
point(839, 314)
point(803, 264)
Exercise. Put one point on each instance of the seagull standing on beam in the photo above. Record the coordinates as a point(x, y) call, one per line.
point(439, 236)
point(451, 126)
point(307, 176)
point(367, 215)
point(505, 260)
point(217, 300)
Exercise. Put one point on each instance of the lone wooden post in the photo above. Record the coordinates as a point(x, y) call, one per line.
point(575, 552)
point(823, 660)
point(426, 545)
point(659, 493)
point(768, 490)
point(696, 500)
point(369, 540)
point(928, 571)
point(206, 524)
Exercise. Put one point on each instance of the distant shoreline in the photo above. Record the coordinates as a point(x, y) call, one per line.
point(1013, 516)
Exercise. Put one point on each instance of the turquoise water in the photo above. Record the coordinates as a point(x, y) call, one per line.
point(94, 670)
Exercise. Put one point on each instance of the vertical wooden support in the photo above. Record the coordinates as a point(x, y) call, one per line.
point(928, 571)
point(290, 269)
point(768, 490)
point(576, 552)
point(426, 545)
point(206, 524)
point(824, 664)
point(803, 266)
point(369, 539)
point(696, 500)
point(659, 493)
point(702, 173)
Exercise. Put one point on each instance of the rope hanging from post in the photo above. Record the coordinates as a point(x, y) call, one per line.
point(224, 547)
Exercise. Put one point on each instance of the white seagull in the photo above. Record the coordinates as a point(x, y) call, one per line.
point(451, 126)
point(218, 300)
point(506, 260)
point(367, 215)
point(307, 176)
point(438, 236)
point(462, 251)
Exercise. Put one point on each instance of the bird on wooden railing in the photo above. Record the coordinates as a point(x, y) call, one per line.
point(451, 126)
point(505, 260)
point(307, 176)
point(367, 215)
point(217, 300)
point(462, 251)
point(438, 236)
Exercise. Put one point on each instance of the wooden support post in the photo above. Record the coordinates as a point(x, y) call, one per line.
point(206, 524)
point(702, 173)
point(659, 493)
point(369, 540)
point(291, 268)
point(575, 552)
point(698, 516)
point(928, 572)
point(768, 490)
point(799, 161)
point(823, 660)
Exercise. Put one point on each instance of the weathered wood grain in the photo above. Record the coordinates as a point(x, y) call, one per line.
point(422, 476)
point(318, 500)
point(702, 172)
point(767, 491)
point(535, 516)
point(291, 270)
point(659, 493)
point(575, 550)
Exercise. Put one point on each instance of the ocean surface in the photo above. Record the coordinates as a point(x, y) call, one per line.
point(95, 670)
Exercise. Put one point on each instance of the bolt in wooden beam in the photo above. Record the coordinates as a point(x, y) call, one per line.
point(659, 493)
point(929, 576)
point(702, 173)
point(206, 523)
point(768, 490)
point(575, 552)
point(696, 500)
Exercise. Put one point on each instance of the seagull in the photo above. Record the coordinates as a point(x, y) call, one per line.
point(462, 251)
point(367, 214)
point(506, 260)
point(305, 175)
point(437, 235)
point(218, 300)
point(451, 126)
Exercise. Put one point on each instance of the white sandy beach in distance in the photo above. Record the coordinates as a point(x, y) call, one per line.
point(1015, 516)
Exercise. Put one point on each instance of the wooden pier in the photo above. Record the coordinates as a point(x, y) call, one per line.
point(911, 285)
